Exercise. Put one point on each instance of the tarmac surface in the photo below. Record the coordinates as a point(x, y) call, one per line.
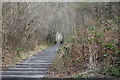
point(34, 68)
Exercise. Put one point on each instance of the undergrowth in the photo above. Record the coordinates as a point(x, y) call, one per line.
point(12, 60)
point(75, 53)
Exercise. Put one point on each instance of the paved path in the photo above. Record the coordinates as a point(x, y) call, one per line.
point(34, 68)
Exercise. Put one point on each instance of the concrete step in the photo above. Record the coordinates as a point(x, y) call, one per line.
point(41, 57)
point(34, 63)
point(26, 69)
point(24, 73)
point(33, 67)
point(39, 61)
point(22, 76)
point(45, 55)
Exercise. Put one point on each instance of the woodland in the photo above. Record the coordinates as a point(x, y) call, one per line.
point(91, 46)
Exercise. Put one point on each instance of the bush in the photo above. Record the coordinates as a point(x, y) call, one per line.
point(77, 76)
point(70, 40)
point(112, 71)
point(19, 49)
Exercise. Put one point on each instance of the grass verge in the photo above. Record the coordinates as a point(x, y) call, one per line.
point(10, 62)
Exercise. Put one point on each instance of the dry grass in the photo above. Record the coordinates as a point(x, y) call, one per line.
point(10, 60)
point(74, 59)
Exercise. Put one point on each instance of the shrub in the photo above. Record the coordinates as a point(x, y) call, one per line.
point(19, 49)
point(77, 76)
point(70, 40)
point(112, 71)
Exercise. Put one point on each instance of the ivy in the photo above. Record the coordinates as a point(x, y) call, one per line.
point(110, 46)
point(98, 35)
point(19, 49)
point(117, 53)
point(105, 54)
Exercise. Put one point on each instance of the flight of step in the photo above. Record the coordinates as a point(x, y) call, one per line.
point(34, 67)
